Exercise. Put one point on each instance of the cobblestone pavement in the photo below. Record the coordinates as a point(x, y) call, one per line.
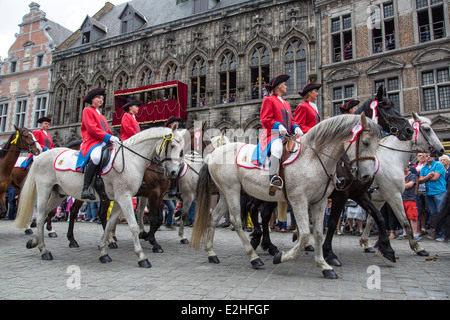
point(183, 273)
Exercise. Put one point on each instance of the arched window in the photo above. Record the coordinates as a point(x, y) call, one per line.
point(122, 81)
point(172, 72)
point(198, 80)
point(79, 93)
point(227, 76)
point(145, 77)
point(260, 71)
point(295, 66)
point(100, 82)
point(61, 104)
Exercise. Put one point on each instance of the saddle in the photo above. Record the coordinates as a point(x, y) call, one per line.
point(98, 183)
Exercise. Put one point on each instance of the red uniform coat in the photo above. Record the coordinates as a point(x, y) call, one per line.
point(94, 131)
point(306, 116)
point(273, 113)
point(45, 140)
point(129, 126)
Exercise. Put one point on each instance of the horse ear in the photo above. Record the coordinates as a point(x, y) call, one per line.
point(415, 116)
point(175, 127)
point(363, 119)
point(17, 128)
point(380, 93)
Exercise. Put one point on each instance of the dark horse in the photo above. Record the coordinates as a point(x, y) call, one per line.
point(20, 140)
point(392, 123)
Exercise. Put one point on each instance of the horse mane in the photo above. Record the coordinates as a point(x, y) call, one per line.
point(365, 106)
point(335, 129)
point(7, 144)
point(151, 133)
point(423, 120)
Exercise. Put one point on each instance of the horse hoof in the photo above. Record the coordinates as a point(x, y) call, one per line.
point(369, 250)
point(47, 256)
point(257, 263)
point(28, 231)
point(105, 259)
point(74, 244)
point(184, 241)
point(52, 235)
point(309, 248)
point(277, 257)
point(144, 263)
point(330, 274)
point(157, 250)
point(334, 262)
point(423, 253)
point(113, 245)
point(213, 259)
point(29, 244)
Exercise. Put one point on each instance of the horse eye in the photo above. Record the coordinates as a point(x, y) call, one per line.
point(365, 143)
point(181, 153)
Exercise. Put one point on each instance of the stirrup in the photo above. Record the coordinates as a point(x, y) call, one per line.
point(276, 182)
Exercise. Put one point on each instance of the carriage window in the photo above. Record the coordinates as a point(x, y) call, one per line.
point(295, 63)
point(3, 116)
point(436, 89)
point(340, 96)
point(383, 33)
point(430, 19)
point(341, 37)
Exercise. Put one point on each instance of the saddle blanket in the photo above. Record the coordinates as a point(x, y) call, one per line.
point(244, 158)
point(19, 161)
point(67, 160)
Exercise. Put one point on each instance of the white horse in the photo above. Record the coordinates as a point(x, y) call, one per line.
point(394, 155)
point(187, 183)
point(121, 183)
point(309, 180)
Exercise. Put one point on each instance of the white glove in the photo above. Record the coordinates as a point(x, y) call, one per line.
point(282, 130)
point(298, 131)
point(114, 139)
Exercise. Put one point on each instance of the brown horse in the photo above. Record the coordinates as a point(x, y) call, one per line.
point(20, 140)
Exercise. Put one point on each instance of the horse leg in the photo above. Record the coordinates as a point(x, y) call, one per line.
point(255, 236)
point(234, 210)
point(217, 214)
point(51, 232)
point(184, 217)
point(337, 205)
point(3, 210)
point(156, 220)
point(383, 243)
point(73, 217)
point(142, 203)
point(266, 214)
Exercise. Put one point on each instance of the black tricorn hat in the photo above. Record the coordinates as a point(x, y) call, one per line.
point(132, 103)
point(172, 120)
point(276, 81)
point(309, 87)
point(44, 119)
point(352, 103)
point(94, 92)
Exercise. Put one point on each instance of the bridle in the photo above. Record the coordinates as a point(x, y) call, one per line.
point(20, 140)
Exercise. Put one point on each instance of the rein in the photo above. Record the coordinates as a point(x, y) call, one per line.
point(19, 138)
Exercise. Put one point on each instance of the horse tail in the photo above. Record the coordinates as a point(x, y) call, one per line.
point(26, 200)
point(203, 205)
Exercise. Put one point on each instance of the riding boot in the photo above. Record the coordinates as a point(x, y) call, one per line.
point(89, 174)
point(276, 183)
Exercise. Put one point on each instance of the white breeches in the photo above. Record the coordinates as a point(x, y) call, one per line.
point(96, 154)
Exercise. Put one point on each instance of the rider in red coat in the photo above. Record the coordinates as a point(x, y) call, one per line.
point(42, 137)
point(307, 113)
point(129, 125)
point(95, 134)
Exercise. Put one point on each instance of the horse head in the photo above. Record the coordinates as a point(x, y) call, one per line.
point(362, 148)
point(424, 136)
point(25, 140)
point(171, 152)
point(389, 118)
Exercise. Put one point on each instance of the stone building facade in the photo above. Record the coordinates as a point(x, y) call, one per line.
point(26, 73)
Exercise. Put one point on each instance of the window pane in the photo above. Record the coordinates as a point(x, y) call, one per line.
point(301, 75)
point(393, 84)
point(444, 97)
point(443, 76)
point(429, 99)
point(335, 25)
point(427, 78)
point(289, 53)
point(347, 22)
point(395, 98)
point(421, 3)
point(348, 92)
point(337, 94)
point(388, 10)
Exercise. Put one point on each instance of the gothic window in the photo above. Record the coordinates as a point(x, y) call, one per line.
point(172, 72)
point(198, 83)
point(435, 86)
point(100, 82)
point(431, 19)
point(227, 77)
point(383, 32)
point(79, 94)
point(61, 104)
point(145, 77)
point(295, 66)
point(122, 81)
point(259, 71)
point(341, 37)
